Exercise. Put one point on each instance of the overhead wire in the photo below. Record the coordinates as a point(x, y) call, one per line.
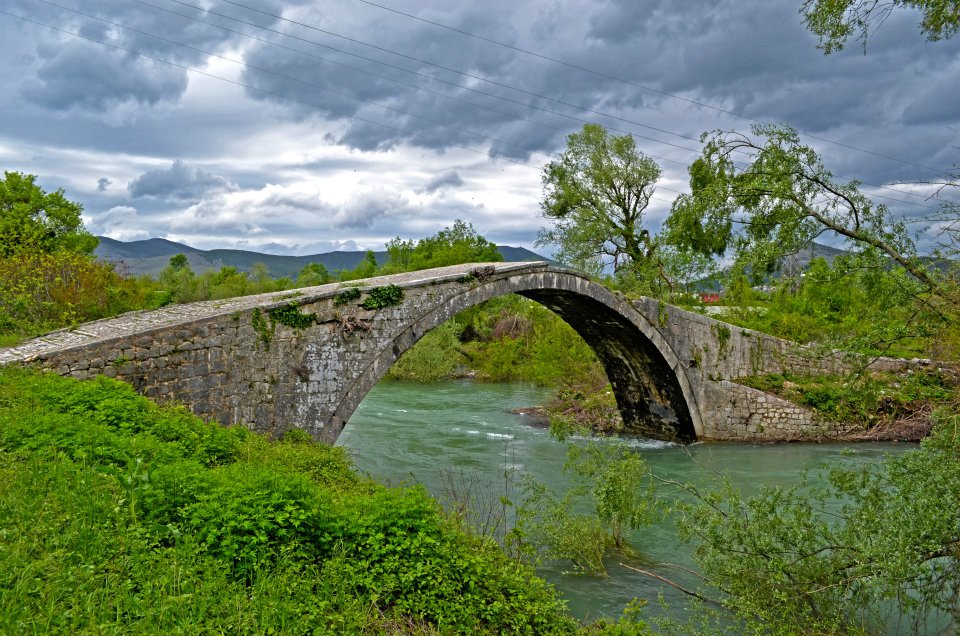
point(327, 60)
point(530, 93)
point(319, 87)
point(628, 82)
point(447, 82)
point(461, 86)
point(279, 95)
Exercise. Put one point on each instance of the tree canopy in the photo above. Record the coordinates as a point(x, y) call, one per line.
point(450, 246)
point(834, 21)
point(776, 201)
point(595, 196)
point(33, 219)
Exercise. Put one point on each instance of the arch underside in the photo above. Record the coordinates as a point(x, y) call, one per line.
point(651, 390)
point(648, 394)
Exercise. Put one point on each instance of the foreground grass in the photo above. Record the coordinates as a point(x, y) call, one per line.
point(117, 515)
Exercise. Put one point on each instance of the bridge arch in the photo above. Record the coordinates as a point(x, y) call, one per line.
point(652, 390)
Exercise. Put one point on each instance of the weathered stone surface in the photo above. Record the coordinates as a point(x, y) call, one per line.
point(670, 370)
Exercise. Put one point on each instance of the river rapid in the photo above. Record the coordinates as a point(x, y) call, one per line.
point(462, 435)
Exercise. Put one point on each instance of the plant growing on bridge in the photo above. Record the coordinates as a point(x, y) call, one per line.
point(263, 328)
point(382, 297)
point(290, 316)
point(346, 296)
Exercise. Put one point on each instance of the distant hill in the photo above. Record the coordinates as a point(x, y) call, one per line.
point(152, 255)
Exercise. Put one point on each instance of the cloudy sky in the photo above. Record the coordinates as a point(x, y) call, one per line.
point(301, 126)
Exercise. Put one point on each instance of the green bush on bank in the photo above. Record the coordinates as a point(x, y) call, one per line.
point(119, 515)
point(868, 400)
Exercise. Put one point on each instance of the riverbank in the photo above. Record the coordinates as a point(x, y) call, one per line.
point(121, 515)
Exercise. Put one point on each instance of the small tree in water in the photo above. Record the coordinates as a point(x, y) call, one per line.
point(609, 478)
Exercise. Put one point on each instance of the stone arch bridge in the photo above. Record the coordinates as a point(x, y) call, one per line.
point(307, 358)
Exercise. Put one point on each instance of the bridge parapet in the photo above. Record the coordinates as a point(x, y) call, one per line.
point(306, 358)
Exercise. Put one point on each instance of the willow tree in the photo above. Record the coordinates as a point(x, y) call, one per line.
point(777, 202)
point(834, 21)
point(595, 195)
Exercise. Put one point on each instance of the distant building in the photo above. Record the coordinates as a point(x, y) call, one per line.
point(709, 297)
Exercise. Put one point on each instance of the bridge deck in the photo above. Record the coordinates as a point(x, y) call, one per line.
point(145, 321)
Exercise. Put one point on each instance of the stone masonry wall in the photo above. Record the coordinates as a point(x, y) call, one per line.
point(232, 362)
point(715, 354)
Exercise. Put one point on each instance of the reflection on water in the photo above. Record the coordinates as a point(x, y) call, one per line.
point(413, 433)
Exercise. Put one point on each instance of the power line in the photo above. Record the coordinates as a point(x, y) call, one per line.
point(628, 82)
point(295, 79)
point(459, 72)
point(461, 86)
point(437, 79)
point(273, 93)
point(531, 93)
point(262, 90)
point(327, 60)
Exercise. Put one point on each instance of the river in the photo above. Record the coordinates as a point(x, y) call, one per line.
point(463, 431)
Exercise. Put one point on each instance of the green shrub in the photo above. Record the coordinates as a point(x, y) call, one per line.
point(148, 519)
point(346, 296)
point(383, 297)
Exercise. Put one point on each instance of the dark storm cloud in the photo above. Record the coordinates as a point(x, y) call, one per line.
point(752, 57)
point(77, 74)
point(748, 56)
point(91, 75)
point(364, 210)
point(179, 182)
point(443, 181)
point(103, 183)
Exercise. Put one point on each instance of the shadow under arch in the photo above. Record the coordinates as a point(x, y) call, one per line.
point(651, 388)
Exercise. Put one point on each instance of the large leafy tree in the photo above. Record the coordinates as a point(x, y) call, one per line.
point(36, 220)
point(595, 195)
point(834, 21)
point(767, 196)
point(450, 246)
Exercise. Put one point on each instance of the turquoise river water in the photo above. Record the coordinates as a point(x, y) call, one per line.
point(462, 434)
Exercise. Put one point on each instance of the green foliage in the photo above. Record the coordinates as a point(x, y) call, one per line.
point(179, 263)
point(123, 516)
point(383, 297)
point(834, 21)
point(615, 476)
point(876, 544)
point(366, 269)
point(263, 328)
point(437, 356)
point(595, 195)
point(777, 204)
point(511, 338)
point(37, 221)
point(609, 478)
point(549, 524)
point(868, 400)
point(856, 304)
point(450, 246)
point(290, 316)
point(346, 296)
point(313, 274)
point(584, 405)
point(42, 291)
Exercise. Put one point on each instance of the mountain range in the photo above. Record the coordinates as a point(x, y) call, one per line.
point(149, 256)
